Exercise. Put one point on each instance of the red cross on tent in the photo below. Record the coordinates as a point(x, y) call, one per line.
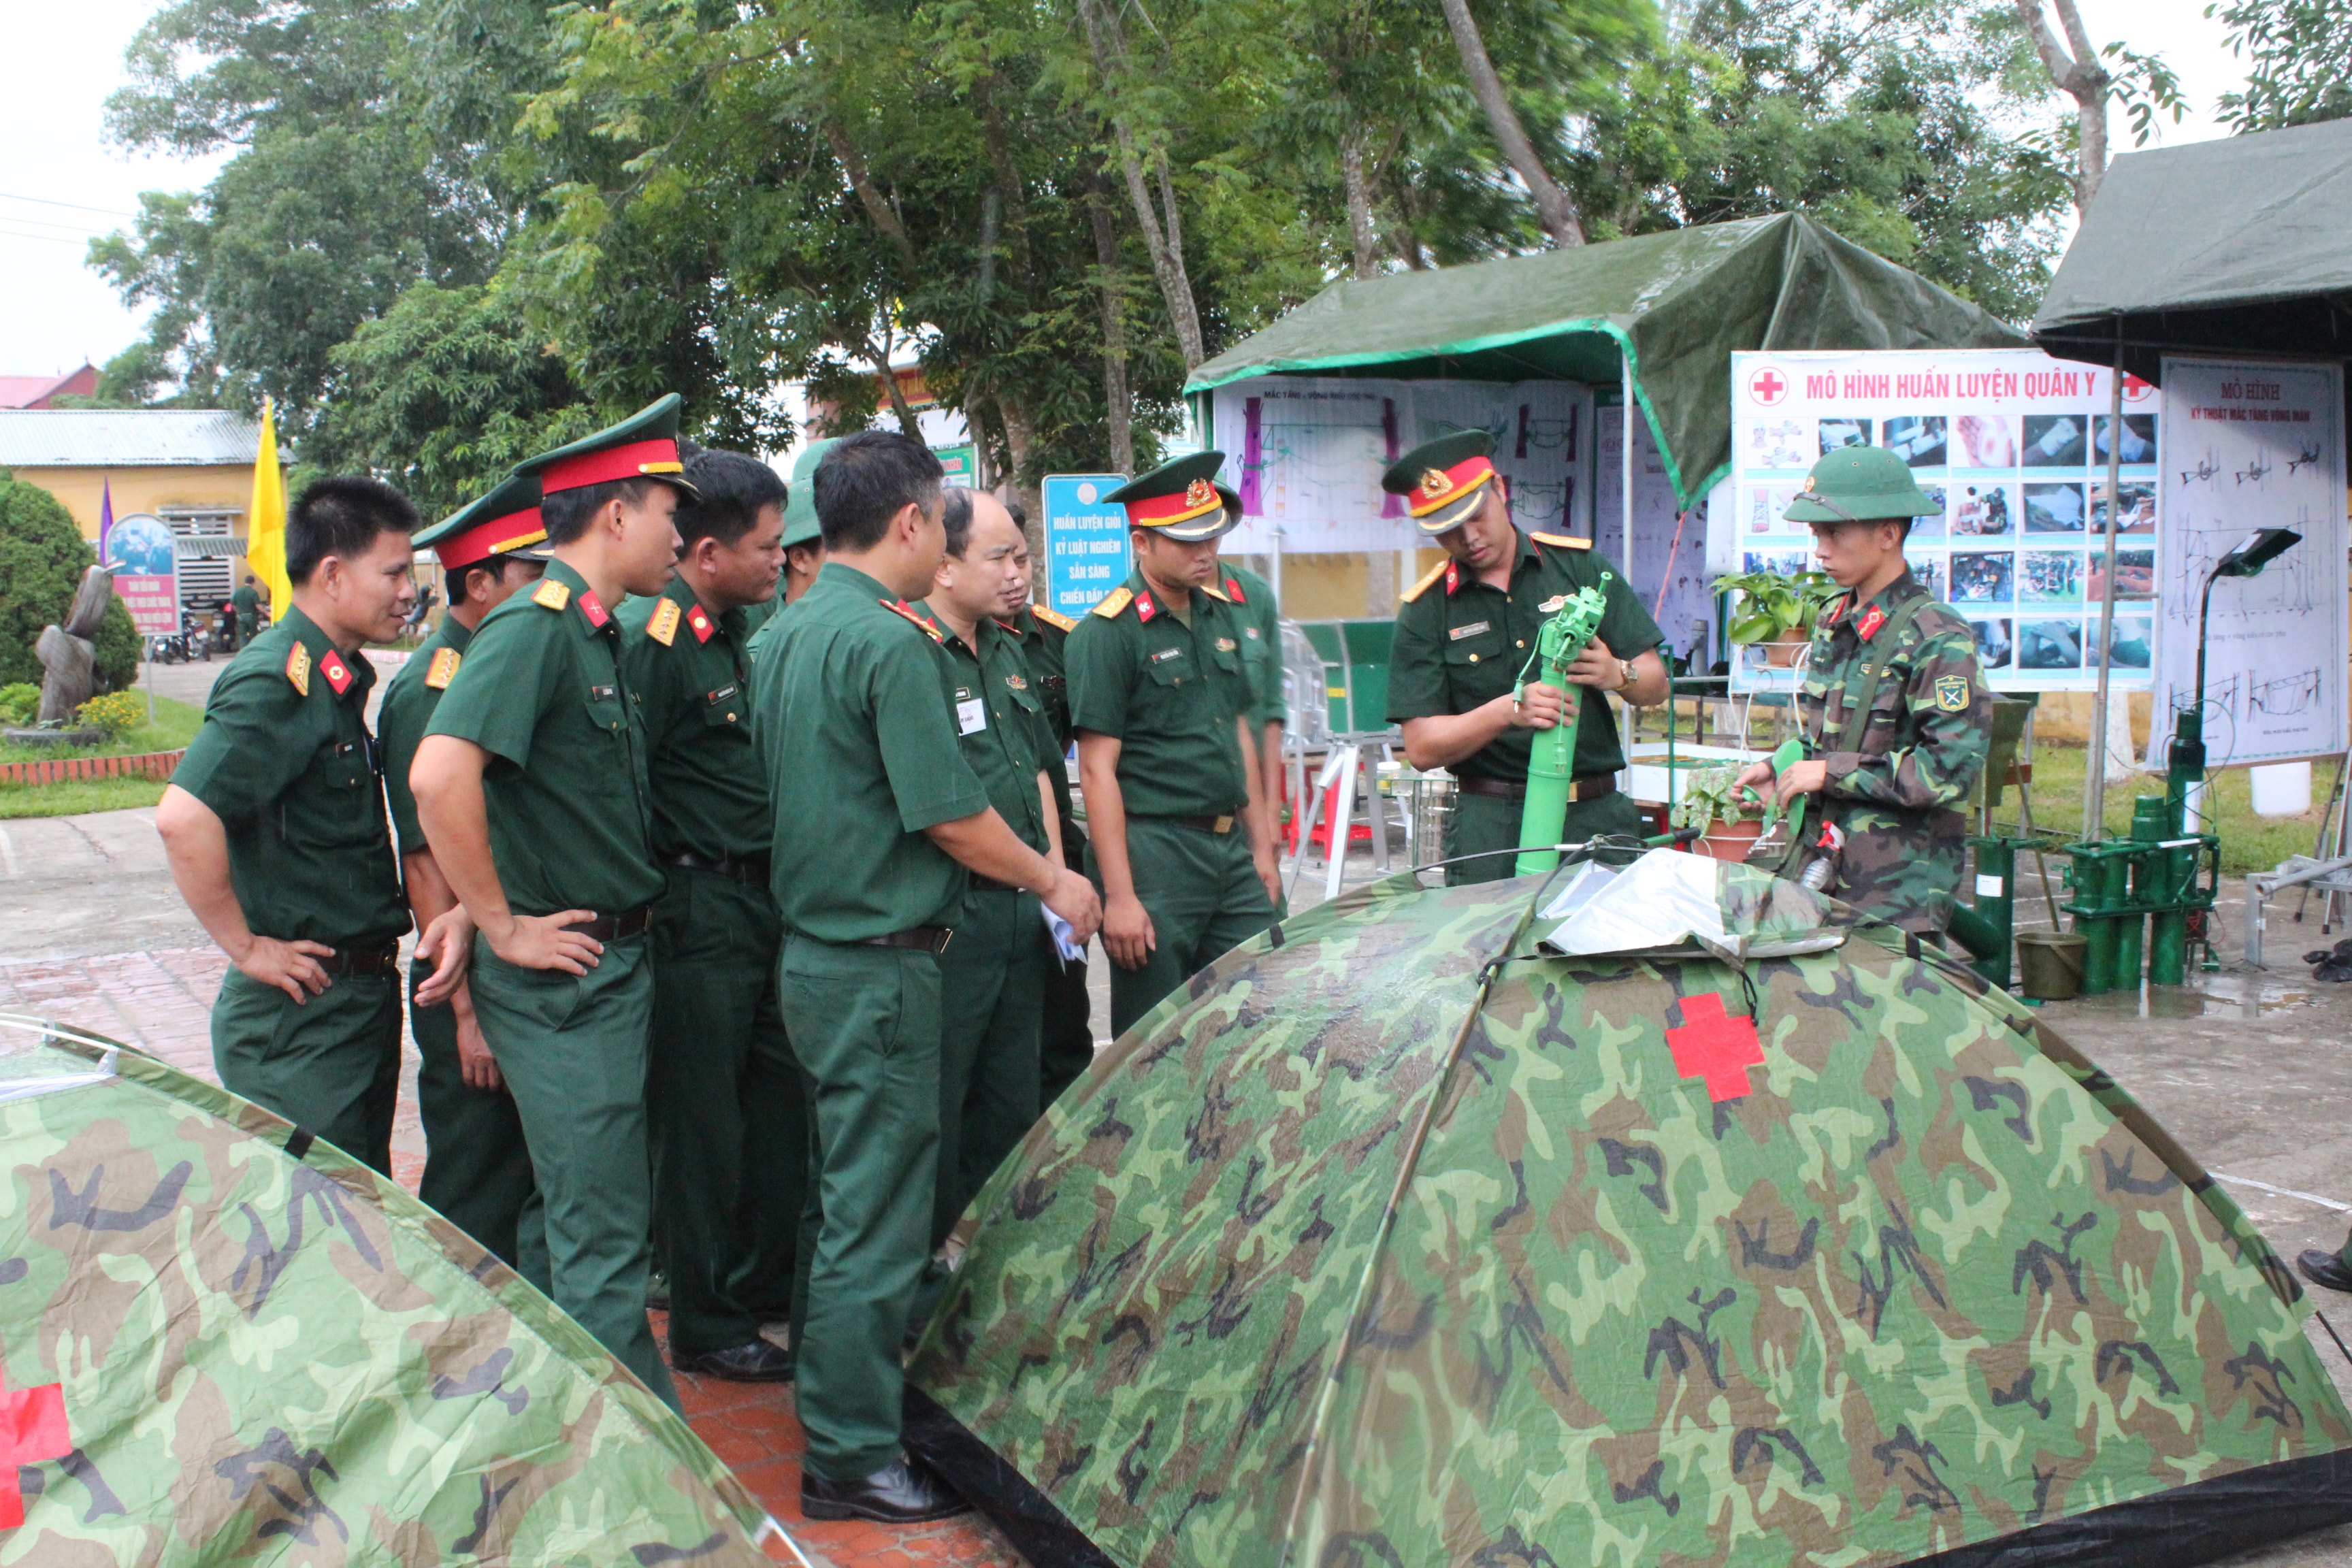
point(1716, 1048)
point(32, 1428)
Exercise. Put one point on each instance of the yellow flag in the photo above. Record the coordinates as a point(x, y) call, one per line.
point(265, 547)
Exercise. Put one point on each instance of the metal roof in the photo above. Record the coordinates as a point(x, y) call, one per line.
point(125, 437)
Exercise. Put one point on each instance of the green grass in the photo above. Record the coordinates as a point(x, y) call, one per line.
point(174, 726)
point(72, 799)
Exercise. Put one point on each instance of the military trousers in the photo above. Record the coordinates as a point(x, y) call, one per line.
point(1065, 1042)
point(866, 1031)
point(329, 1064)
point(573, 1049)
point(1486, 822)
point(1205, 898)
point(724, 1103)
point(992, 990)
point(477, 1165)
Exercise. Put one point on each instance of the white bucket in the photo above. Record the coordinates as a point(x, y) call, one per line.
point(2282, 789)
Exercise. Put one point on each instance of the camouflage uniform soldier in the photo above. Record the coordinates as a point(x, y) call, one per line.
point(1458, 655)
point(1892, 784)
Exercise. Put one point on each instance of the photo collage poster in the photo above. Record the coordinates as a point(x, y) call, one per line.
point(2249, 446)
point(1307, 453)
point(2014, 445)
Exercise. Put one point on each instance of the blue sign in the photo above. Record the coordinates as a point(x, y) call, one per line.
point(1086, 552)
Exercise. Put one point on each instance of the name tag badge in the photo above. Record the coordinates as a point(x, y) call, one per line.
point(1165, 654)
point(971, 716)
point(604, 693)
point(1471, 630)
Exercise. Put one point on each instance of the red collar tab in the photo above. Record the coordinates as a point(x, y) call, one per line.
point(1144, 608)
point(1440, 487)
point(338, 673)
point(1872, 618)
point(702, 624)
point(1196, 500)
point(1453, 577)
point(1233, 591)
point(513, 531)
point(630, 460)
point(594, 608)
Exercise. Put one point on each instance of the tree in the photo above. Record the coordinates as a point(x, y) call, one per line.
point(2299, 55)
point(42, 558)
point(1559, 218)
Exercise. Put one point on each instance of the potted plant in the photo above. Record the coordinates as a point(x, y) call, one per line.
point(1711, 800)
point(1774, 610)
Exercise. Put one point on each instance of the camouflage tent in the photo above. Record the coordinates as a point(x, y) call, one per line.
point(226, 1342)
point(1750, 1236)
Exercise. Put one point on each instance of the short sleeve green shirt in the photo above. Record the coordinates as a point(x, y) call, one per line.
point(286, 762)
point(409, 699)
point(855, 729)
point(1044, 635)
point(1170, 691)
point(1460, 643)
point(1252, 597)
point(542, 691)
point(692, 686)
point(1000, 723)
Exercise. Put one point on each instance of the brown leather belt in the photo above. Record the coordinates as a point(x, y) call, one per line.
point(750, 868)
point(1224, 823)
point(362, 963)
point(614, 928)
point(1593, 788)
point(923, 939)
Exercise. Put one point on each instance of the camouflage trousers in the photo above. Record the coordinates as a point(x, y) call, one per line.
point(1202, 894)
point(992, 992)
point(1903, 868)
point(330, 1064)
point(477, 1166)
point(1484, 823)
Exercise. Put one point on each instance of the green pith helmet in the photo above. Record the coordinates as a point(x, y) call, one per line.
point(1182, 499)
point(1860, 484)
point(800, 505)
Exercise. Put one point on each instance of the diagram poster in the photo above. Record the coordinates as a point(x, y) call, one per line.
point(1668, 573)
point(2013, 445)
point(1306, 454)
point(2249, 446)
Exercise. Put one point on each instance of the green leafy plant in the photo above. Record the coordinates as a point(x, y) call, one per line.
point(118, 712)
point(1709, 794)
point(1770, 607)
point(19, 703)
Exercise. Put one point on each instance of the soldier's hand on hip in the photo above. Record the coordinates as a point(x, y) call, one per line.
point(541, 941)
point(447, 944)
point(1074, 899)
point(291, 966)
point(1127, 931)
point(1540, 706)
point(475, 1063)
point(1597, 666)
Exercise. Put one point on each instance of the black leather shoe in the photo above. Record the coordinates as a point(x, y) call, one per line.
point(755, 1361)
point(2324, 1268)
point(899, 1493)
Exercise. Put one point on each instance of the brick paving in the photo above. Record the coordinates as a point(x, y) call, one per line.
point(161, 1001)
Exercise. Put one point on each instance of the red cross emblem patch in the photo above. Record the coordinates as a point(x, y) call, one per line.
point(1714, 1048)
point(32, 1428)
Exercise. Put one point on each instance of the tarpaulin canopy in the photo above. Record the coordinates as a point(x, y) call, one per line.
point(1677, 305)
point(2239, 245)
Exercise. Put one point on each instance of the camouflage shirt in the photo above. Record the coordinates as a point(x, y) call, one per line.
point(1898, 796)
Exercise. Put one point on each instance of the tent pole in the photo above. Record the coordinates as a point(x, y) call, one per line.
point(2094, 798)
point(1625, 471)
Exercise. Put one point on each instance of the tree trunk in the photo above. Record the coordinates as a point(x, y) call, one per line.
point(1020, 441)
point(880, 359)
point(1116, 397)
point(1552, 205)
point(1361, 236)
point(869, 195)
point(2082, 79)
point(1166, 243)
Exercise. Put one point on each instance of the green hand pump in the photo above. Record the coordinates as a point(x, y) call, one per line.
point(1551, 759)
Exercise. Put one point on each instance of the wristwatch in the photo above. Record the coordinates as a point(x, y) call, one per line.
point(1624, 674)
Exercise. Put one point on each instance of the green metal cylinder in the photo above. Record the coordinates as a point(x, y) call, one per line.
point(1986, 928)
point(1550, 764)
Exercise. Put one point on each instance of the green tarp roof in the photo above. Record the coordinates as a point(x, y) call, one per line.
point(2239, 245)
point(1678, 304)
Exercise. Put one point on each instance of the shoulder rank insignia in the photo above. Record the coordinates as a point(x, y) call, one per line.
point(1428, 580)
point(704, 627)
point(551, 595)
point(1952, 693)
point(1053, 617)
point(298, 668)
point(338, 673)
point(594, 608)
point(1561, 541)
point(900, 607)
point(1215, 593)
point(443, 669)
point(663, 628)
point(1115, 601)
point(1872, 619)
point(1144, 608)
point(1233, 591)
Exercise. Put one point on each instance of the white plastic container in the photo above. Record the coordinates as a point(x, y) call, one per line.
point(2282, 789)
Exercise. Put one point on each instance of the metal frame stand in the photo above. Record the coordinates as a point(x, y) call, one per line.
point(1334, 801)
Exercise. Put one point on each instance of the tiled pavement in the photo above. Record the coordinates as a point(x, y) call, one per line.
point(161, 1001)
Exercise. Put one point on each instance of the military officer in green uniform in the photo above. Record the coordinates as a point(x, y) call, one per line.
point(878, 817)
point(724, 1097)
point(993, 975)
point(803, 541)
point(1253, 596)
point(1065, 1041)
point(1463, 635)
point(245, 612)
point(1162, 700)
point(274, 827)
point(477, 1166)
point(530, 785)
point(1895, 713)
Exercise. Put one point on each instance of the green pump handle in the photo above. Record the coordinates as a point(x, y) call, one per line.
point(1551, 757)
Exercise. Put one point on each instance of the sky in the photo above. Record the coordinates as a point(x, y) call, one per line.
point(63, 182)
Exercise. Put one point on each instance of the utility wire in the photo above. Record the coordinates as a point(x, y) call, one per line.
point(73, 206)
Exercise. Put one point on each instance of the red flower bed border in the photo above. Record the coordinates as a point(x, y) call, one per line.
point(62, 770)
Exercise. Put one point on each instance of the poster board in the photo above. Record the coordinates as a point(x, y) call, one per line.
point(2248, 445)
point(1668, 575)
point(1306, 453)
point(2014, 444)
point(1086, 551)
point(145, 559)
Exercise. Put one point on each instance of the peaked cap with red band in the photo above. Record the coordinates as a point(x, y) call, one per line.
point(1182, 499)
point(1445, 480)
point(642, 447)
point(504, 524)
